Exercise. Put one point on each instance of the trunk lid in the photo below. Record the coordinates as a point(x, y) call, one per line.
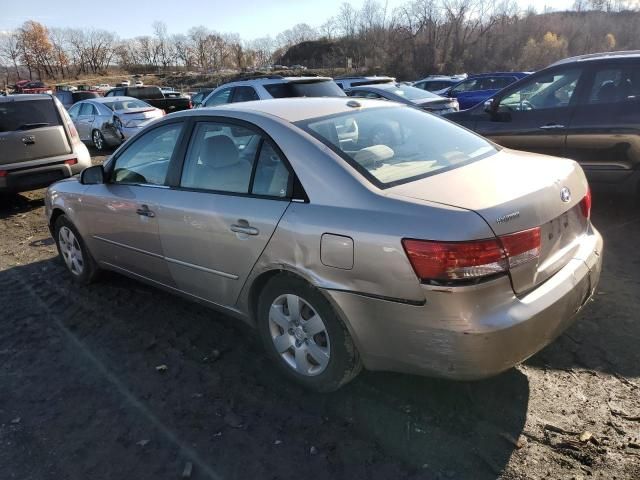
point(31, 129)
point(515, 191)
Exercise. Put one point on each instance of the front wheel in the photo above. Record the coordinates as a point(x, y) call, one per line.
point(304, 336)
point(73, 251)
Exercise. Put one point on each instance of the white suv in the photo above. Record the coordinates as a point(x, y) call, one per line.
point(273, 86)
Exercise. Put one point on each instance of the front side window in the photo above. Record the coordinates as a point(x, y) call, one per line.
point(550, 90)
point(74, 111)
point(615, 84)
point(146, 160)
point(219, 98)
point(221, 157)
point(399, 144)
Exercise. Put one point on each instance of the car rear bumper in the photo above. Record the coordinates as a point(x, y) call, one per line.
point(29, 176)
point(471, 332)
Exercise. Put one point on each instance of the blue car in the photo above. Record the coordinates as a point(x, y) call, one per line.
point(479, 88)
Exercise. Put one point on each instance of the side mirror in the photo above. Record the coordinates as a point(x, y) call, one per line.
point(92, 175)
point(488, 106)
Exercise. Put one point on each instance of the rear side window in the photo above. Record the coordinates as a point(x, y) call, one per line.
point(28, 114)
point(326, 88)
point(616, 84)
point(87, 109)
point(222, 158)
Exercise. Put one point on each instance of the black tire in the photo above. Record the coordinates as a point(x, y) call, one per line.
point(98, 140)
point(344, 361)
point(90, 268)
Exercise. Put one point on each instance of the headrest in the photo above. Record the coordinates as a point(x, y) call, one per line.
point(373, 155)
point(219, 151)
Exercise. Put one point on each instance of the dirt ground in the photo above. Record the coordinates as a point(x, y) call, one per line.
point(81, 395)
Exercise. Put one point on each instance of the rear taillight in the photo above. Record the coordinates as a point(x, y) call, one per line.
point(71, 161)
point(447, 261)
point(585, 204)
point(190, 104)
point(3, 173)
point(521, 247)
point(73, 131)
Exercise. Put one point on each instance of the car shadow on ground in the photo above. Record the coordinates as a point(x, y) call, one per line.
point(606, 333)
point(16, 204)
point(382, 425)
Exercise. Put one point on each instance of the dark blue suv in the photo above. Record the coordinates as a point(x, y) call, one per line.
point(479, 88)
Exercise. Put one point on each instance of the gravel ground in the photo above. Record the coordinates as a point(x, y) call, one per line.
point(81, 394)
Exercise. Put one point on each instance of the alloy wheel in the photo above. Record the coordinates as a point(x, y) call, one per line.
point(71, 251)
point(299, 335)
point(98, 141)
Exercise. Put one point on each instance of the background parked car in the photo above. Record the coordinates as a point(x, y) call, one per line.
point(29, 86)
point(479, 88)
point(354, 81)
point(108, 121)
point(139, 83)
point(406, 94)
point(439, 84)
point(38, 143)
point(586, 108)
point(153, 96)
point(273, 86)
point(68, 98)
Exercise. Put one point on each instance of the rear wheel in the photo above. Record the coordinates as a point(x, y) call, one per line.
point(73, 251)
point(304, 336)
point(98, 140)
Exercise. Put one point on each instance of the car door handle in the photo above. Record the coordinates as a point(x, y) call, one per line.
point(244, 228)
point(552, 126)
point(145, 212)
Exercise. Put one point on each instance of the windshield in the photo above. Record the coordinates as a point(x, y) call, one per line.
point(126, 104)
point(409, 92)
point(397, 145)
point(326, 88)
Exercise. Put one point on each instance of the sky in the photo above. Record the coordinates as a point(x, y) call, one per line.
point(250, 18)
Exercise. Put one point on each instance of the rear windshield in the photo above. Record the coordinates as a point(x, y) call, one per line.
point(77, 96)
point(397, 145)
point(325, 88)
point(126, 104)
point(27, 115)
point(409, 92)
point(145, 92)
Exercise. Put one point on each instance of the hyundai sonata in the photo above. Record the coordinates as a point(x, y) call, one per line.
point(349, 232)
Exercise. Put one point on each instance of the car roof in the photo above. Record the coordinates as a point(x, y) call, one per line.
point(293, 109)
point(25, 96)
point(495, 74)
point(365, 77)
point(592, 57)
